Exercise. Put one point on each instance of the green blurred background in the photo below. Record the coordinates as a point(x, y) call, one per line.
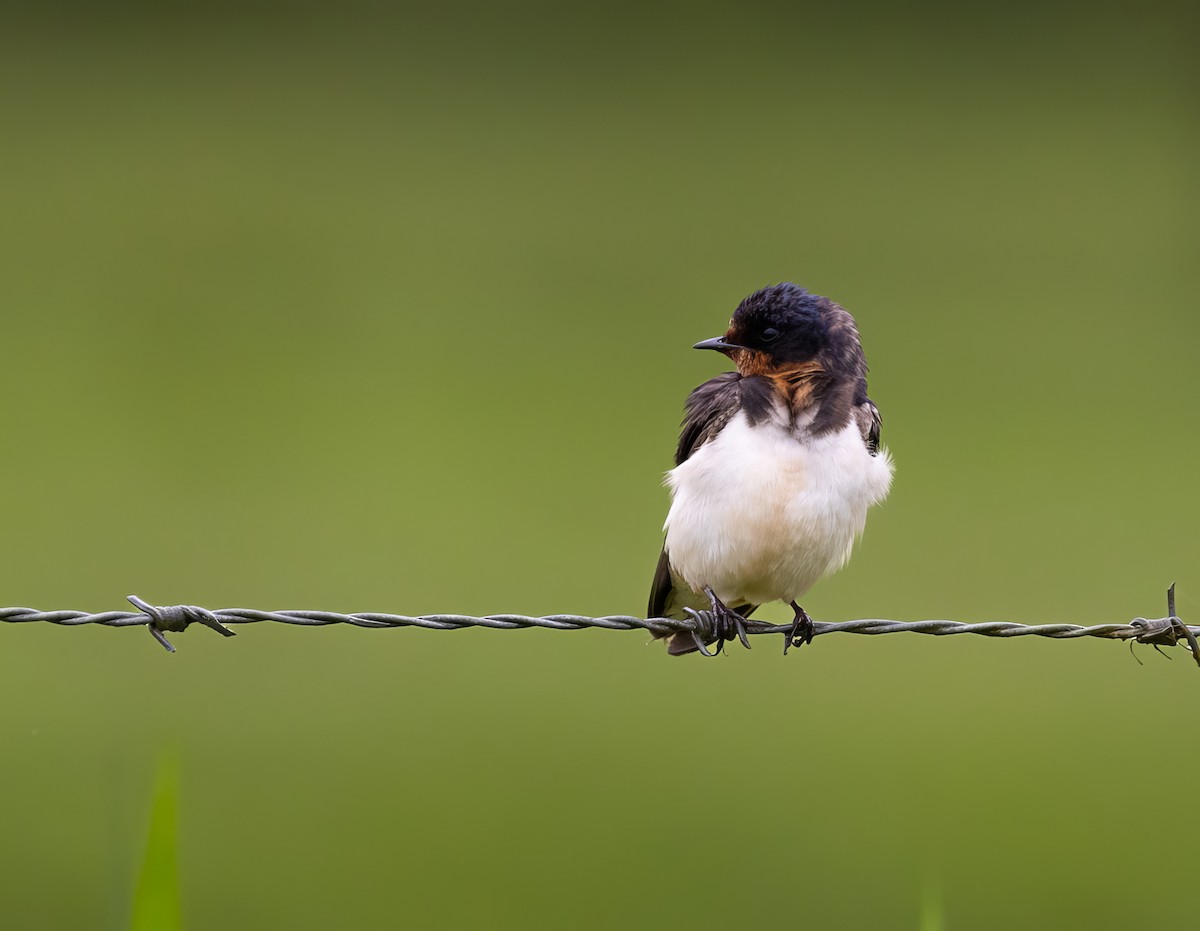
point(379, 308)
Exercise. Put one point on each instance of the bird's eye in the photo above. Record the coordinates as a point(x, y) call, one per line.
point(769, 334)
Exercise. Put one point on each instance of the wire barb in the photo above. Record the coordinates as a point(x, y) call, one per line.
point(1166, 631)
point(176, 618)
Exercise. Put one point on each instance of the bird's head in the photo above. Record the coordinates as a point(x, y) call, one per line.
point(776, 329)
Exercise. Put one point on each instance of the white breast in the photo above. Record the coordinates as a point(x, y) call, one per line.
point(759, 515)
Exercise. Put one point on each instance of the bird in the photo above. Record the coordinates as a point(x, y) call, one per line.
point(777, 465)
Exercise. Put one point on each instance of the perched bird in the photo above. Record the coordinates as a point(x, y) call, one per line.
point(776, 467)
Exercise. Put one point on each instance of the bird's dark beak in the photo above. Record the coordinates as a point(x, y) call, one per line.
point(719, 343)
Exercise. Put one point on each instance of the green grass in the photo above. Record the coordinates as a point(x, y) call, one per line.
point(932, 916)
point(156, 903)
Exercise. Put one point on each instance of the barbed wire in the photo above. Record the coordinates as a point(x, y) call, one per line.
point(1164, 631)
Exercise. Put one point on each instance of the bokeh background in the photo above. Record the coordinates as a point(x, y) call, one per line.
point(389, 308)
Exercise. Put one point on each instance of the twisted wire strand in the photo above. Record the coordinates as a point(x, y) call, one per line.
point(1167, 631)
point(579, 622)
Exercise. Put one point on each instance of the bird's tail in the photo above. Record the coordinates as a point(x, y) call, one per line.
point(682, 642)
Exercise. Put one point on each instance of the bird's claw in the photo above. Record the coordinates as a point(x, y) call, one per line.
point(802, 632)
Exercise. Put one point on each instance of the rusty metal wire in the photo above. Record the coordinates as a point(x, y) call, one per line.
point(1165, 631)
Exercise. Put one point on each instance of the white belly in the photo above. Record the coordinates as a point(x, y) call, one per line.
point(759, 516)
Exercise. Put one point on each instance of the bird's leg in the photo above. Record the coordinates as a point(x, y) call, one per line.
point(802, 629)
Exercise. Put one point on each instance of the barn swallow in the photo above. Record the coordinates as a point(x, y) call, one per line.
point(776, 467)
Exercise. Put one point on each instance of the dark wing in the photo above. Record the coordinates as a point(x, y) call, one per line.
point(708, 409)
point(706, 412)
point(661, 587)
point(870, 423)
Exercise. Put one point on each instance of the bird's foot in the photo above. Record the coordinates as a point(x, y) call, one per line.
point(802, 631)
point(727, 623)
point(720, 622)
